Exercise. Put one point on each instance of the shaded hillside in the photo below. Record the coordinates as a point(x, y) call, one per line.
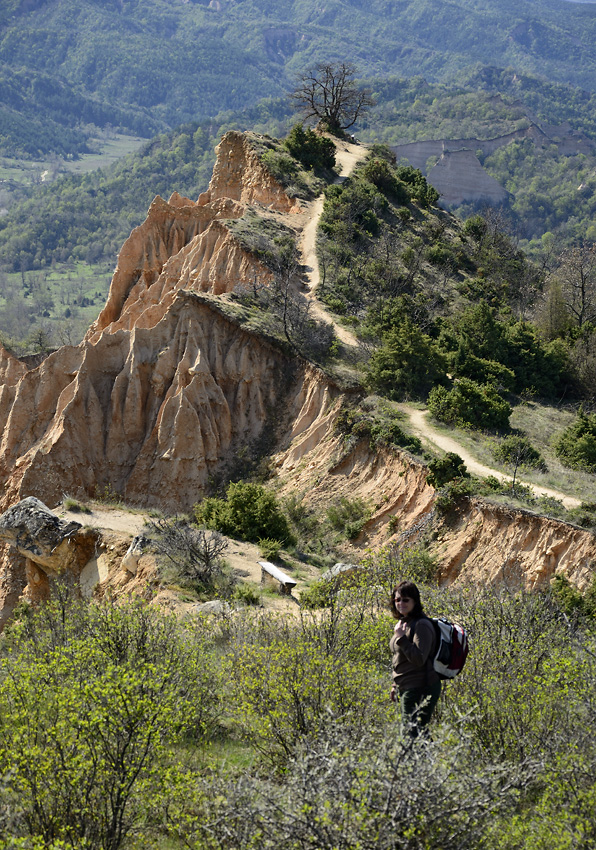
point(159, 64)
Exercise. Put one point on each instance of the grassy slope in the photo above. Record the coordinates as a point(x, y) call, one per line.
point(542, 423)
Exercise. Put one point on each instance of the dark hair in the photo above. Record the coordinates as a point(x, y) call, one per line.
point(408, 590)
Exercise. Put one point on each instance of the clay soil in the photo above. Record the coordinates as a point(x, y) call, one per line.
point(125, 524)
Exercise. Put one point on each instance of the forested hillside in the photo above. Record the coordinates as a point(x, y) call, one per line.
point(551, 188)
point(88, 217)
point(66, 65)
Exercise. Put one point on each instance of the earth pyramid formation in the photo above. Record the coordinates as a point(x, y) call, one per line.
point(168, 390)
point(165, 389)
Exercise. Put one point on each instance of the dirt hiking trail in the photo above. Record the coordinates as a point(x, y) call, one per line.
point(347, 155)
point(422, 428)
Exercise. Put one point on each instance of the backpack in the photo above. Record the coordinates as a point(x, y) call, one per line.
point(452, 648)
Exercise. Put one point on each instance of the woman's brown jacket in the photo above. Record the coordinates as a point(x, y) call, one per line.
point(413, 654)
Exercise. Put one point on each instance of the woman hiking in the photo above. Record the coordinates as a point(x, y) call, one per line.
point(413, 645)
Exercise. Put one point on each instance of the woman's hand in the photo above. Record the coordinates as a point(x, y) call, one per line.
point(392, 694)
point(400, 629)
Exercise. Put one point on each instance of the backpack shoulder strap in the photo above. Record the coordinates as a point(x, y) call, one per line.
point(431, 655)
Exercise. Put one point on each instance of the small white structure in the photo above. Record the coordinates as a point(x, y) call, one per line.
point(272, 574)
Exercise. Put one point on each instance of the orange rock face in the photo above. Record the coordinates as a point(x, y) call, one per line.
point(167, 393)
point(164, 392)
point(240, 175)
point(150, 413)
point(490, 544)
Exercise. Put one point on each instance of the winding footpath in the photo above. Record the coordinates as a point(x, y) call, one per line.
point(347, 155)
point(421, 427)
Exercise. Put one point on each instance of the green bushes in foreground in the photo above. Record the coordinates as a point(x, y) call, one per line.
point(93, 701)
point(123, 727)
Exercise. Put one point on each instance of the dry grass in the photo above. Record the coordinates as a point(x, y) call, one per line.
point(542, 424)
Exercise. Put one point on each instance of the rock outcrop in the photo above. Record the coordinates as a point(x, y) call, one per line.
point(493, 544)
point(34, 531)
point(164, 390)
point(167, 393)
point(48, 548)
point(239, 174)
point(458, 175)
point(148, 413)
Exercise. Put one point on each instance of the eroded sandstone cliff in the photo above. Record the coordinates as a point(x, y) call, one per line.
point(166, 393)
point(487, 544)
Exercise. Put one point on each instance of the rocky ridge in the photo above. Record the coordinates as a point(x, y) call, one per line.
point(167, 391)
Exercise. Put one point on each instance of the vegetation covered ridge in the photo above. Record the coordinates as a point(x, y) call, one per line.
point(453, 315)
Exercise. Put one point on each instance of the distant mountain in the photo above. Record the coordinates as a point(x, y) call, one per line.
point(149, 66)
point(542, 156)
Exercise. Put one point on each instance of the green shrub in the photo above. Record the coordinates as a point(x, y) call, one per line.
point(379, 173)
point(452, 493)
point(310, 149)
point(464, 364)
point(280, 165)
point(74, 506)
point(576, 446)
point(348, 516)
point(442, 256)
point(476, 227)
point(423, 192)
point(291, 679)
point(389, 433)
point(94, 701)
point(519, 451)
point(571, 600)
point(444, 469)
point(488, 350)
point(526, 678)
point(470, 404)
point(269, 549)
point(381, 428)
point(369, 789)
point(249, 512)
point(408, 363)
point(320, 594)
point(247, 594)
point(390, 565)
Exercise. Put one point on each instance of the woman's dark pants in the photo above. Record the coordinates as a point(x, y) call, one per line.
point(417, 706)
